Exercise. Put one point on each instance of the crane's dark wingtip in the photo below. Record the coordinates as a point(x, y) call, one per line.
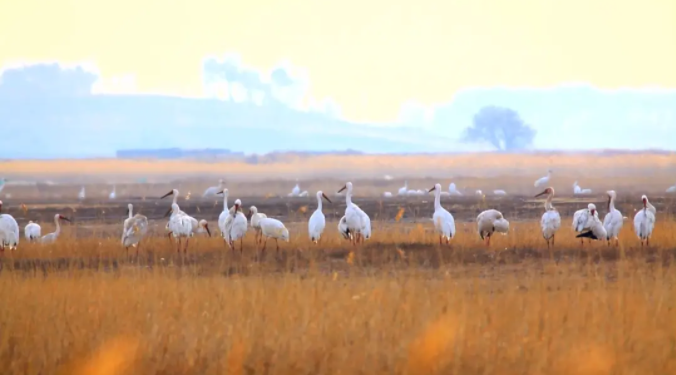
point(588, 234)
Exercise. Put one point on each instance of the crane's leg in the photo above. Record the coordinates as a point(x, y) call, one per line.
point(440, 237)
point(265, 243)
point(138, 246)
point(185, 249)
point(647, 240)
point(277, 243)
point(617, 241)
point(241, 245)
point(169, 236)
point(178, 248)
point(553, 237)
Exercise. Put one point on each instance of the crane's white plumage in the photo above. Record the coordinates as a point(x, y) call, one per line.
point(317, 222)
point(52, 237)
point(237, 226)
point(582, 220)
point(387, 194)
point(81, 194)
point(551, 219)
point(542, 181)
point(644, 221)
point(225, 217)
point(180, 226)
point(273, 228)
point(444, 223)
point(489, 222)
point(612, 222)
point(32, 231)
point(355, 218)
point(403, 190)
point(577, 190)
point(213, 190)
point(671, 189)
point(134, 228)
point(595, 231)
point(254, 222)
point(499, 192)
point(295, 191)
point(453, 190)
point(9, 231)
point(343, 229)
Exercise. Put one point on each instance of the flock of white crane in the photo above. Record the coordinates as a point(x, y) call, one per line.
point(355, 225)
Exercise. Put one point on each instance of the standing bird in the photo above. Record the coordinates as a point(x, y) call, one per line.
point(81, 194)
point(237, 226)
point(134, 229)
point(273, 228)
point(644, 221)
point(582, 219)
point(51, 237)
point(612, 222)
point(489, 222)
point(403, 190)
point(354, 216)
point(295, 191)
point(453, 190)
point(112, 194)
point(444, 224)
point(9, 231)
point(317, 222)
point(596, 230)
point(255, 222)
point(224, 217)
point(32, 231)
point(543, 180)
point(175, 193)
point(551, 220)
point(214, 190)
point(577, 190)
point(180, 226)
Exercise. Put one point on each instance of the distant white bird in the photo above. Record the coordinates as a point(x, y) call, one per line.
point(551, 219)
point(444, 223)
point(542, 181)
point(453, 190)
point(9, 231)
point(81, 194)
point(112, 194)
point(343, 229)
point(51, 237)
point(582, 219)
point(478, 192)
point(304, 193)
point(354, 216)
point(317, 222)
point(255, 222)
point(612, 222)
point(671, 189)
point(577, 190)
point(412, 192)
point(499, 192)
point(489, 222)
point(237, 226)
point(403, 190)
point(273, 228)
point(644, 221)
point(295, 191)
point(596, 230)
point(134, 229)
point(213, 190)
point(32, 231)
point(180, 226)
point(387, 194)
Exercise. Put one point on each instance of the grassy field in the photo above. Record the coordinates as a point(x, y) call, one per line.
point(400, 304)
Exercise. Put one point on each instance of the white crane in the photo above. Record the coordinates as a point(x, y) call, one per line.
point(51, 237)
point(213, 190)
point(295, 191)
point(343, 229)
point(453, 190)
point(596, 230)
point(403, 190)
point(582, 219)
point(255, 223)
point(225, 217)
point(444, 224)
point(112, 194)
point(489, 222)
point(180, 226)
point(612, 222)
point(273, 228)
point(551, 220)
point(499, 192)
point(366, 227)
point(175, 193)
point(354, 216)
point(542, 181)
point(9, 231)
point(577, 190)
point(32, 231)
point(237, 226)
point(317, 222)
point(644, 221)
point(81, 194)
point(671, 189)
point(387, 194)
point(479, 192)
point(134, 229)
point(201, 226)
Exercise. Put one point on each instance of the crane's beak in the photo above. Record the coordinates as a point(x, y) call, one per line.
point(543, 193)
point(236, 209)
point(343, 188)
point(432, 189)
point(64, 218)
point(127, 214)
point(168, 194)
point(327, 198)
point(168, 212)
point(206, 226)
point(220, 192)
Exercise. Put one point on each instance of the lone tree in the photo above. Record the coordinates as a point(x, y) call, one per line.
point(502, 127)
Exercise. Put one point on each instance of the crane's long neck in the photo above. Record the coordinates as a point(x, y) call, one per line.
point(131, 211)
point(225, 202)
point(319, 203)
point(58, 226)
point(611, 203)
point(348, 198)
point(548, 202)
point(437, 199)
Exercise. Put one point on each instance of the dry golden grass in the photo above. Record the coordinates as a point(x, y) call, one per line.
point(400, 305)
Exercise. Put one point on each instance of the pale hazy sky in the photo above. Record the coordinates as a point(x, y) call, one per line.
point(370, 56)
